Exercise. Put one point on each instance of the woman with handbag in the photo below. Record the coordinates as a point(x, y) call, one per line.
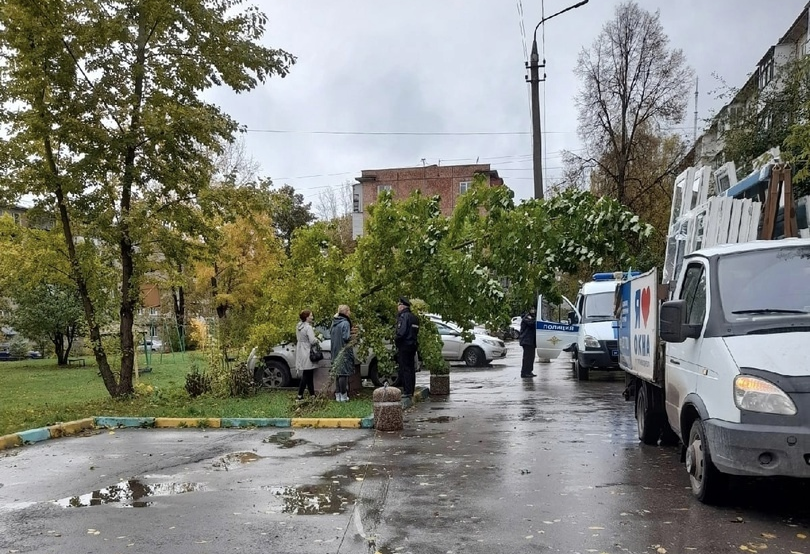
point(307, 353)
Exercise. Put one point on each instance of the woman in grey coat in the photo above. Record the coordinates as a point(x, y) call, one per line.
point(342, 352)
point(303, 365)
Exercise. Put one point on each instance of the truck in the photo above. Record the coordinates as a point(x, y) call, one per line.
point(716, 355)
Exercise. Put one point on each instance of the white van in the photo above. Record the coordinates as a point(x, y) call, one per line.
point(588, 329)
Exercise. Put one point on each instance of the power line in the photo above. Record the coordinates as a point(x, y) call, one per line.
point(388, 133)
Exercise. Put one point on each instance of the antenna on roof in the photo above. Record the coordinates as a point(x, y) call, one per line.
point(476, 159)
point(694, 131)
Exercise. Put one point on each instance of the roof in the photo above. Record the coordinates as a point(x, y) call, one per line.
point(725, 249)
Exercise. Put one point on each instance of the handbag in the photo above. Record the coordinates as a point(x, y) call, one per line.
point(315, 353)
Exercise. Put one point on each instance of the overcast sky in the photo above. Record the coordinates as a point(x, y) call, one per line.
point(457, 66)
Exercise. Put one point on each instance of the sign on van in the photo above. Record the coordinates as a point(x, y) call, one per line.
point(638, 325)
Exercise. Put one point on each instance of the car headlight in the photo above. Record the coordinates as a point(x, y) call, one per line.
point(758, 395)
point(591, 342)
point(489, 342)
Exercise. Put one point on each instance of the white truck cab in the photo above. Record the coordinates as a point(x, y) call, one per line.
point(731, 378)
point(589, 329)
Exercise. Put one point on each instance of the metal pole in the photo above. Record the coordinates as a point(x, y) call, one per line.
point(537, 140)
point(534, 66)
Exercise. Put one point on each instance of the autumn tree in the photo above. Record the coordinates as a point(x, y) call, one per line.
point(634, 87)
point(109, 129)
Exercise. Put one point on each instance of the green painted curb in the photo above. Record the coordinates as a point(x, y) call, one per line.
point(255, 422)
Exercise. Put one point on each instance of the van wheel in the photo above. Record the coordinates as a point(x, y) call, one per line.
point(708, 484)
point(580, 372)
point(274, 374)
point(647, 421)
point(473, 357)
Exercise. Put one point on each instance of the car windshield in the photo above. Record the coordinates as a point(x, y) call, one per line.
point(765, 283)
point(598, 306)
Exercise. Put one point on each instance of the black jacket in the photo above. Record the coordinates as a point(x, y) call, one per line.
point(407, 329)
point(528, 331)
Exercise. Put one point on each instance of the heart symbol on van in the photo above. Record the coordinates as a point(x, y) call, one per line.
point(645, 304)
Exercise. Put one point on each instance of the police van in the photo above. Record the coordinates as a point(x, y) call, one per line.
point(587, 328)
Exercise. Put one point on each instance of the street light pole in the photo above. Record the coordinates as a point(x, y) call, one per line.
point(534, 66)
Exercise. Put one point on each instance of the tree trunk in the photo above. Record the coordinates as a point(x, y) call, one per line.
point(58, 341)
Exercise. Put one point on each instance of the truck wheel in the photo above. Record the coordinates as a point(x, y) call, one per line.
point(273, 374)
point(580, 372)
point(648, 421)
point(708, 484)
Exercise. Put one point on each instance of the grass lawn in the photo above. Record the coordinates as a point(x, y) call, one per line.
point(36, 393)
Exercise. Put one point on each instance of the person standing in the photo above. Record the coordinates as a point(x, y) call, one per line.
point(305, 367)
point(342, 352)
point(406, 342)
point(528, 340)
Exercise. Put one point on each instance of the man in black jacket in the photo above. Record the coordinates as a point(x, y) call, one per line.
point(528, 340)
point(406, 343)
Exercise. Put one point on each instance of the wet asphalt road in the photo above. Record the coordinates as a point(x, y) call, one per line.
point(502, 465)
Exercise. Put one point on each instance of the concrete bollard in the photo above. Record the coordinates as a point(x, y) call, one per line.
point(387, 409)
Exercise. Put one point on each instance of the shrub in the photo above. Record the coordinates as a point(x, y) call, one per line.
point(197, 382)
point(241, 383)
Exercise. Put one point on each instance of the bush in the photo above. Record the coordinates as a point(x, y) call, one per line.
point(18, 347)
point(197, 382)
point(241, 381)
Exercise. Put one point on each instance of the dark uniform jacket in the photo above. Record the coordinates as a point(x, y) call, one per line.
point(407, 330)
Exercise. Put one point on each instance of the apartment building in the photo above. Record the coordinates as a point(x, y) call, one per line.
point(447, 181)
point(794, 43)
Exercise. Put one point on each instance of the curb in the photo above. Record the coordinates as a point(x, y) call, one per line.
point(74, 427)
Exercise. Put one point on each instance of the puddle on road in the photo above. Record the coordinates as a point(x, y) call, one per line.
point(440, 419)
point(311, 500)
point(129, 494)
point(284, 439)
point(230, 461)
point(333, 450)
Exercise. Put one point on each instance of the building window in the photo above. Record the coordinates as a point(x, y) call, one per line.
point(381, 188)
point(464, 186)
point(766, 73)
point(153, 311)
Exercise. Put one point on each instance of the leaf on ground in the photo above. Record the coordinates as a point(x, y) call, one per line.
point(801, 536)
point(661, 550)
point(768, 535)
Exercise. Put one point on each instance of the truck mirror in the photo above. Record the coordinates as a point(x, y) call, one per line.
point(572, 318)
point(672, 326)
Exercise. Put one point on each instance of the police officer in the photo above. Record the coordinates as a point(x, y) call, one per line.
point(406, 343)
point(528, 340)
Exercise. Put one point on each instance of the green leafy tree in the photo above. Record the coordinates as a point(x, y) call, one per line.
point(51, 312)
point(289, 212)
point(109, 130)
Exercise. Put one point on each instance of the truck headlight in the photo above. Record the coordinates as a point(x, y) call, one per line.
point(592, 343)
point(758, 395)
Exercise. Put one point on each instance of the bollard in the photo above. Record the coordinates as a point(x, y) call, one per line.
point(387, 408)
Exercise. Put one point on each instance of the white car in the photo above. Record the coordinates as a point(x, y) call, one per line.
point(279, 370)
point(481, 350)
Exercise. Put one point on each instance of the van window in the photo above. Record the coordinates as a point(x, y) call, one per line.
point(597, 306)
point(694, 292)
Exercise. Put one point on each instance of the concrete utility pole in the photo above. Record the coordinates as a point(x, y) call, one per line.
point(534, 66)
